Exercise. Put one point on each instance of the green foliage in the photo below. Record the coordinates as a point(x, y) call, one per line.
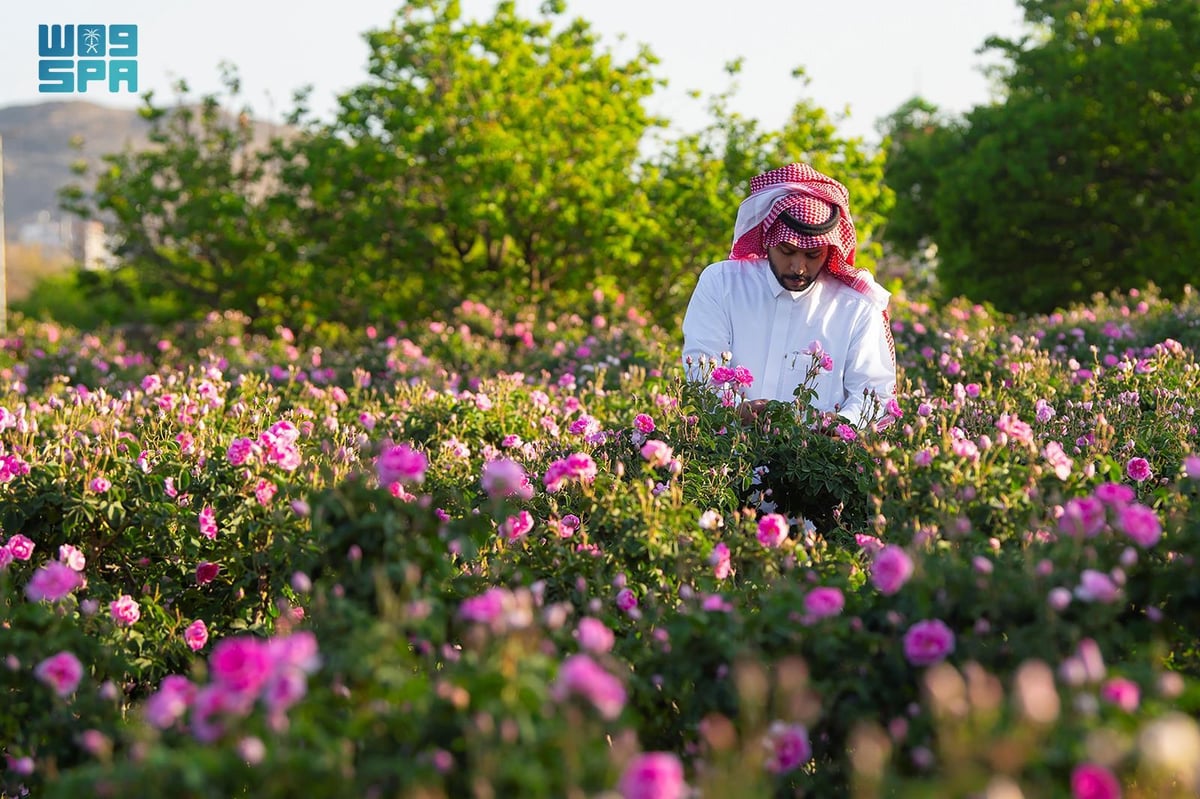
point(506, 160)
point(1082, 178)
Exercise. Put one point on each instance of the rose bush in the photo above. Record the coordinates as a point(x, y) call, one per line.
point(494, 555)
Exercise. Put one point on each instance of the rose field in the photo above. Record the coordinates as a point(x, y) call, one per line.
point(507, 556)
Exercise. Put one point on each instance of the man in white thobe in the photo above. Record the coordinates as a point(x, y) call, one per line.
point(788, 293)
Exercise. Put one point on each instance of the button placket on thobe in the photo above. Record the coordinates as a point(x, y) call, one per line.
point(782, 310)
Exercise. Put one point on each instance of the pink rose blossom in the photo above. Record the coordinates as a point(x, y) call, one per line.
point(52, 582)
point(401, 463)
point(208, 522)
point(1083, 516)
point(264, 492)
point(518, 526)
point(240, 451)
point(196, 635)
point(772, 530)
point(720, 561)
point(594, 636)
point(170, 702)
point(1114, 494)
point(485, 608)
point(21, 547)
point(240, 665)
point(891, 569)
point(656, 453)
point(62, 672)
point(71, 557)
point(1093, 781)
point(644, 423)
point(653, 775)
point(505, 478)
point(1191, 467)
point(1058, 460)
point(928, 642)
point(626, 600)
point(846, 433)
point(1140, 523)
point(581, 676)
point(206, 572)
point(6, 557)
point(1122, 692)
point(100, 485)
point(1138, 469)
point(125, 610)
point(823, 602)
point(788, 747)
point(722, 374)
point(1095, 586)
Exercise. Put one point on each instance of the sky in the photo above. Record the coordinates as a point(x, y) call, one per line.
point(863, 57)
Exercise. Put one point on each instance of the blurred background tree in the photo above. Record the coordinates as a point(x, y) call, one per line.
point(512, 161)
point(1082, 179)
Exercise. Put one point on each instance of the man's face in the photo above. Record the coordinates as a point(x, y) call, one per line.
point(796, 268)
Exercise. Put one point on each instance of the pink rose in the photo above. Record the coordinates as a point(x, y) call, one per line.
point(656, 453)
point(1191, 467)
point(1140, 523)
point(823, 602)
point(21, 547)
point(486, 607)
point(99, 485)
point(928, 642)
point(653, 775)
point(240, 665)
point(52, 582)
point(71, 557)
point(1095, 586)
point(62, 672)
point(240, 451)
point(720, 561)
point(196, 635)
point(788, 747)
point(505, 478)
point(125, 610)
point(772, 530)
point(207, 520)
point(1092, 781)
point(206, 572)
point(401, 463)
point(594, 635)
point(891, 569)
point(581, 676)
point(518, 526)
point(1138, 469)
point(1122, 692)
point(644, 423)
point(626, 600)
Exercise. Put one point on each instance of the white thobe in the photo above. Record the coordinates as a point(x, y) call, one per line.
point(740, 308)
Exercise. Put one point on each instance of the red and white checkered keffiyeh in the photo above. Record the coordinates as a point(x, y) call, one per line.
point(810, 198)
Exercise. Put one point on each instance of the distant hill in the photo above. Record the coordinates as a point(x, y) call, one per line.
point(38, 153)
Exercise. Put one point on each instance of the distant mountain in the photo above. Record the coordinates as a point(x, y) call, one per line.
point(38, 153)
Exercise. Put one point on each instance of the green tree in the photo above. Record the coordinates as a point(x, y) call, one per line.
point(1083, 179)
point(481, 157)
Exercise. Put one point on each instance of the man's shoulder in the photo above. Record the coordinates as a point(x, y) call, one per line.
point(842, 293)
point(733, 269)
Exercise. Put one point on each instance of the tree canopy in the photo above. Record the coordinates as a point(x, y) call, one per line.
point(1081, 179)
point(478, 159)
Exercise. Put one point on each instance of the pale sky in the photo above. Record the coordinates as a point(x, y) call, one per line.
point(865, 55)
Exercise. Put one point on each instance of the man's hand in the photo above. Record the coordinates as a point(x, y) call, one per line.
point(750, 411)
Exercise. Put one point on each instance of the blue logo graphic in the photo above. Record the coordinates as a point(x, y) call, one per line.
point(72, 57)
